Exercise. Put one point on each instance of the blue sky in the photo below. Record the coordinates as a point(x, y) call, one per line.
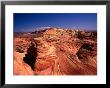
point(24, 22)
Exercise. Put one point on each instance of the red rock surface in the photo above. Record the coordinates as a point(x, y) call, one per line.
point(59, 52)
point(21, 68)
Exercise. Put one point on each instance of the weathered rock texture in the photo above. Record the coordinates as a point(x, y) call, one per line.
point(57, 52)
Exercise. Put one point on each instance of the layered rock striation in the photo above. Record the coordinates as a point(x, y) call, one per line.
point(58, 52)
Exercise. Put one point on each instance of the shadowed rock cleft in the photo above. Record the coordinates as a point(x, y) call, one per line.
point(31, 55)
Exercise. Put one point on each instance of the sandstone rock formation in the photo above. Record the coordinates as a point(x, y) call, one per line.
point(58, 52)
point(21, 68)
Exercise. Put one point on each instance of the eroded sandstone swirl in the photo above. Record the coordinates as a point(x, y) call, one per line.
point(58, 52)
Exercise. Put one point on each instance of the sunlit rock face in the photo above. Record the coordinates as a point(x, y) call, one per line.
point(21, 68)
point(58, 52)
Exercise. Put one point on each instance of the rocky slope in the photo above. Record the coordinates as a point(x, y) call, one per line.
point(56, 52)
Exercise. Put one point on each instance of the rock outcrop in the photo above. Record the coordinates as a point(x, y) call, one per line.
point(60, 52)
point(20, 67)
